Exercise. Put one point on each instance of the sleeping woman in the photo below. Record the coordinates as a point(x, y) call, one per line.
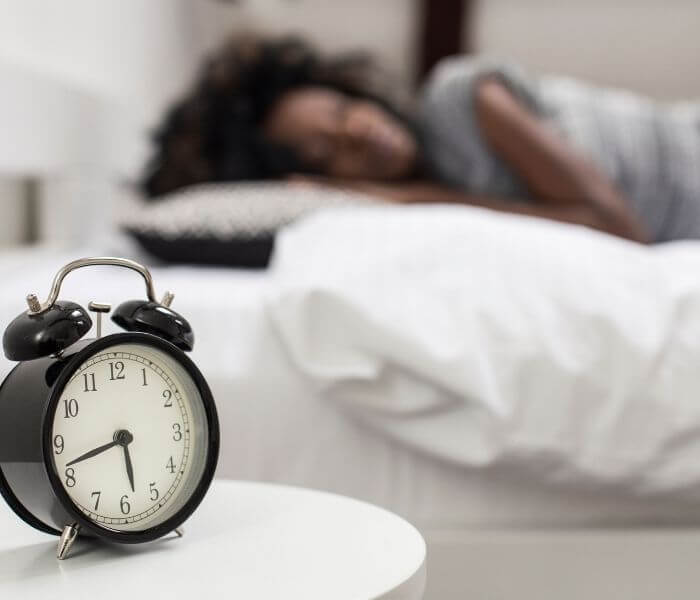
point(481, 133)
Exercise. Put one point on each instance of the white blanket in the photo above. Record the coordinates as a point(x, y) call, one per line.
point(277, 424)
point(490, 339)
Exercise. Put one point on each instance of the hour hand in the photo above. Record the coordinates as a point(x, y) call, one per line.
point(92, 453)
point(129, 468)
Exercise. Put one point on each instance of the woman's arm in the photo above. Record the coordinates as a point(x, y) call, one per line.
point(557, 176)
point(419, 192)
point(431, 193)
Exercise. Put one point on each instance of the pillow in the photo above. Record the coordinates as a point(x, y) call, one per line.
point(226, 224)
point(487, 339)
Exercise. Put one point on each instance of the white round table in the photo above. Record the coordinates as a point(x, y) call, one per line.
point(247, 540)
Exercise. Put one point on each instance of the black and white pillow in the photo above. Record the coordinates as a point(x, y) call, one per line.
point(227, 224)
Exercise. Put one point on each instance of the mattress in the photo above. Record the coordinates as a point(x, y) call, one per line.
point(276, 427)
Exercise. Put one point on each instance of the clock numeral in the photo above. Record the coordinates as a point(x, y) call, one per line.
point(97, 501)
point(124, 505)
point(171, 465)
point(70, 477)
point(168, 395)
point(177, 435)
point(154, 492)
point(71, 407)
point(116, 370)
point(145, 381)
point(89, 382)
point(58, 444)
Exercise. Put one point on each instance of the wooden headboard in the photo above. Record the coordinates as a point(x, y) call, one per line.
point(445, 30)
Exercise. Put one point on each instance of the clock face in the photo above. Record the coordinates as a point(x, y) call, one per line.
point(129, 437)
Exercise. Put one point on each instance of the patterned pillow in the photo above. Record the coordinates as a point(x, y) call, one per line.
point(226, 224)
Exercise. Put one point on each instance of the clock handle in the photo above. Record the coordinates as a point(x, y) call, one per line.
point(36, 307)
point(48, 328)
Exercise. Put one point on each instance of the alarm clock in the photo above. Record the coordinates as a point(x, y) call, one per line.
point(113, 437)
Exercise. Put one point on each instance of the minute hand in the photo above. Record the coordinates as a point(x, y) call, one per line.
point(92, 453)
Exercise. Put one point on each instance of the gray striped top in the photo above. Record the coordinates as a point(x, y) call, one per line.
point(651, 151)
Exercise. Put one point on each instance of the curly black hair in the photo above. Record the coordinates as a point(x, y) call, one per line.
point(213, 134)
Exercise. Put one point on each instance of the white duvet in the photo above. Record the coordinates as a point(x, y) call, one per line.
point(490, 339)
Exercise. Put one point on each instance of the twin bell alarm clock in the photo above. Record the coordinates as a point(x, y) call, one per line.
point(111, 437)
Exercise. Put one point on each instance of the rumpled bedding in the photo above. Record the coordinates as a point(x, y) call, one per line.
point(489, 339)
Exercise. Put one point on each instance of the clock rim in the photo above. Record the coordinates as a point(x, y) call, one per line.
point(212, 450)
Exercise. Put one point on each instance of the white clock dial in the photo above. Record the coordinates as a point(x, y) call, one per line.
point(129, 437)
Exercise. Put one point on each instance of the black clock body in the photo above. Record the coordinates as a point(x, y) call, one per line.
point(28, 399)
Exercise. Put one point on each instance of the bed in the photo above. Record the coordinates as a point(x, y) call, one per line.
point(280, 425)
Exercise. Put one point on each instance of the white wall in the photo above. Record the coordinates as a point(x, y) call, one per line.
point(651, 46)
point(130, 51)
point(387, 28)
point(12, 212)
point(647, 45)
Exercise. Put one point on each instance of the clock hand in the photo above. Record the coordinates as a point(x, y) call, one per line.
point(121, 438)
point(129, 468)
point(92, 453)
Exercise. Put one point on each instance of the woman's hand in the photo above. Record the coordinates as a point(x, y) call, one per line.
point(400, 193)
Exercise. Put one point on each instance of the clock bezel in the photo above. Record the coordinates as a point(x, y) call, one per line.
point(212, 450)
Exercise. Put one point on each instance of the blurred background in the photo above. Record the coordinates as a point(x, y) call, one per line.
point(84, 82)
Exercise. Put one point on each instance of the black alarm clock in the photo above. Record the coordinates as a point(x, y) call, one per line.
point(112, 437)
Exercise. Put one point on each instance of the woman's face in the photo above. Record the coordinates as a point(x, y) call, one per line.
point(341, 136)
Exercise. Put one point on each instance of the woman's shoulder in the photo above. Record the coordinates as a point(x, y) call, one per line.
point(451, 135)
point(458, 76)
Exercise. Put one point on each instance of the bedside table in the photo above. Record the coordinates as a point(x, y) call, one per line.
point(246, 541)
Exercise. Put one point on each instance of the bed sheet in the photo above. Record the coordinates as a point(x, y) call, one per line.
point(276, 427)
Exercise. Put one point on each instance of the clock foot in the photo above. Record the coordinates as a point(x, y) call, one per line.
point(179, 531)
point(69, 535)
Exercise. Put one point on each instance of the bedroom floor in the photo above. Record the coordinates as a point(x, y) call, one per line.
point(575, 565)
